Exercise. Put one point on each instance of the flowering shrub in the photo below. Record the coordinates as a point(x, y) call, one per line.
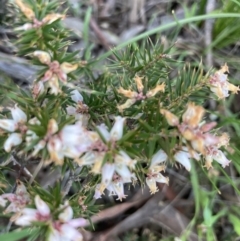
point(124, 127)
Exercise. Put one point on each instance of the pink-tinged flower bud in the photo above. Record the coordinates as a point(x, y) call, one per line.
point(41, 206)
point(62, 76)
point(47, 76)
point(126, 105)
point(209, 126)
point(50, 18)
point(43, 56)
point(117, 129)
point(139, 84)
point(127, 93)
point(158, 88)
point(182, 157)
point(13, 139)
point(67, 67)
point(171, 118)
point(193, 115)
point(158, 158)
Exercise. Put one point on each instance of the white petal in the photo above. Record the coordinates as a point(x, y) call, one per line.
point(124, 158)
point(78, 222)
point(152, 185)
point(107, 173)
point(97, 193)
point(27, 217)
point(13, 139)
point(55, 150)
point(18, 115)
point(119, 189)
point(124, 172)
point(42, 207)
point(158, 158)
point(87, 159)
point(70, 233)
point(160, 178)
point(9, 125)
point(221, 158)
point(43, 56)
point(66, 214)
point(71, 110)
point(3, 202)
point(76, 96)
point(117, 129)
point(182, 157)
point(104, 131)
point(72, 134)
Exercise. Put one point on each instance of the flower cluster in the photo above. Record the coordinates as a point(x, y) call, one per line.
point(34, 22)
point(134, 96)
point(18, 200)
point(62, 228)
point(55, 72)
point(198, 134)
point(219, 84)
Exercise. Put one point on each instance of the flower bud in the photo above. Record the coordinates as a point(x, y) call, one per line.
point(43, 56)
point(171, 118)
point(154, 91)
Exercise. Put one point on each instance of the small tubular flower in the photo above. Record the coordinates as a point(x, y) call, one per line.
point(55, 72)
point(12, 125)
point(18, 200)
point(219, 84)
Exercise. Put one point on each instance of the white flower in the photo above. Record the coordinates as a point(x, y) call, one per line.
point(11, 125)
point(158, 158)
point(65, 227)
point(116, 132)
point(152, 180)
point(183, 157)
point(214, 154)
point(13, 139)
point(18, 200)
point(29, 215)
